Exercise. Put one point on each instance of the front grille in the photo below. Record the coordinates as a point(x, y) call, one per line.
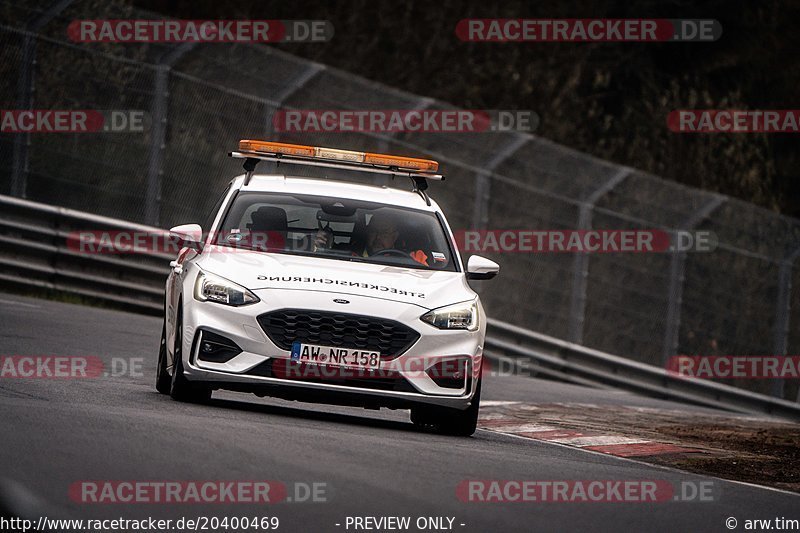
point(341, 330)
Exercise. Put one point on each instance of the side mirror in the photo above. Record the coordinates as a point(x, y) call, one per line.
point(188, 233)
point(480, 268)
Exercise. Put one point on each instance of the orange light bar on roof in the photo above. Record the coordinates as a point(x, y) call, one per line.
point(276, 148)
point(426, 165)
point(350, 156)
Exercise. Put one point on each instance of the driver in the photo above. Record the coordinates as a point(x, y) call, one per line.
point(382, 235)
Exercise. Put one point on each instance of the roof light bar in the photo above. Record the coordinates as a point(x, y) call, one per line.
point(276, 148)
point(425, 165)
point(333, 154)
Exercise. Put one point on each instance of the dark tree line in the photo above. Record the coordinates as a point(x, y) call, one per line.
point(607, 99)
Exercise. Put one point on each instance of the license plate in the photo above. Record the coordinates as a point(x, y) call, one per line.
point(332, 355)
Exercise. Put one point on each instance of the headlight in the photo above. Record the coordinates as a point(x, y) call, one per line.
point(456, 316)
point(212, 288)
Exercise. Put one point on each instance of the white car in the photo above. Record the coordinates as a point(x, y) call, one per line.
point(329, 291)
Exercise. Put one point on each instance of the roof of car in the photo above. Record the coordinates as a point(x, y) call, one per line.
point(337, 189)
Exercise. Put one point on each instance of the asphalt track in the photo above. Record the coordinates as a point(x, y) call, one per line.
point(54, 433)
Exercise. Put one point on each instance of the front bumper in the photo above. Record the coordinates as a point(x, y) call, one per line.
point(245, 372)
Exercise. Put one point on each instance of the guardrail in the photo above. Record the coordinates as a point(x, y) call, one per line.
point(558, 359)
point(35, 253)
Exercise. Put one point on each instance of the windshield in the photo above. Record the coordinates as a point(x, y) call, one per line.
point(337, 228)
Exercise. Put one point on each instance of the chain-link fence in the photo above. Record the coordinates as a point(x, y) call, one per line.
point(741, 299)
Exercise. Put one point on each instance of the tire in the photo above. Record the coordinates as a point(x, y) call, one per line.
point(163, 379)
point(181, 389)
point(449, 421)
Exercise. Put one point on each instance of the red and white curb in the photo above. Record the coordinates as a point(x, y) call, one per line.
point(617, 445)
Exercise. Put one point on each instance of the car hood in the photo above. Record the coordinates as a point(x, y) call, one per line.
point(260, 270)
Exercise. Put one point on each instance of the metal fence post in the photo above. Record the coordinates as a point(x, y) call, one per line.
point(25, 92)
point(782, 313)
point(677, 268)
point(483, 181)
point(580, 264)
point(159, 110)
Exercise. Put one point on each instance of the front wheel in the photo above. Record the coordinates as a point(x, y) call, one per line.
point(447, 420)
point(181, 389)
point(163, 379)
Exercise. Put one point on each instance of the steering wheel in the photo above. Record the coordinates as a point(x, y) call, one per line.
point(391, 251)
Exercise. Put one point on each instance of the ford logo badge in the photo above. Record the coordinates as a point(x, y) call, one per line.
point(340, 301)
